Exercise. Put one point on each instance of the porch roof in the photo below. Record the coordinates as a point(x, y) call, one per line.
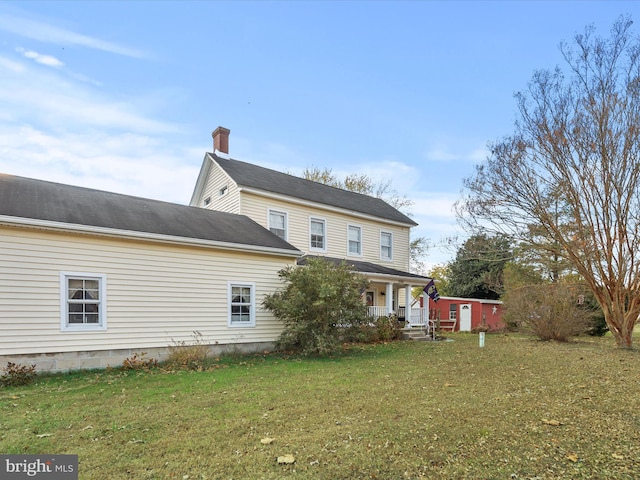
point(374, 271)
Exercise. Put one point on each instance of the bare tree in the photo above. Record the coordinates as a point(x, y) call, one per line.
point(577, 142)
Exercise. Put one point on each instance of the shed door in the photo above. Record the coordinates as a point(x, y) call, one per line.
point(465, 317)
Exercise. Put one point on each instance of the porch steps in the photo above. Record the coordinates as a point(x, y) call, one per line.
point(417, 334)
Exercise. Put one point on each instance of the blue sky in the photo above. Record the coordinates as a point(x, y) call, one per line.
point(123, 96)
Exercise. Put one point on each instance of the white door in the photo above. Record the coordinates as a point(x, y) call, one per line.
point(465, 317)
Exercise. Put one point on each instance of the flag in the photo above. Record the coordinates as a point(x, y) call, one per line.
point(431, 290)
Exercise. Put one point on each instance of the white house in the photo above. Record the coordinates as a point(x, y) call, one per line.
point(88, 278)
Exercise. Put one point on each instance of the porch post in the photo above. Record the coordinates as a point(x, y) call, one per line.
point(407, 305)
point(389, 298)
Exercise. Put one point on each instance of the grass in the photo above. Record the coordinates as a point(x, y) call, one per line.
point(516, 409)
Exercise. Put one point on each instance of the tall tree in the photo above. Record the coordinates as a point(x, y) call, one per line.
point(477, 270)
point(362, 183)
point(440, 274)
point(577, 140)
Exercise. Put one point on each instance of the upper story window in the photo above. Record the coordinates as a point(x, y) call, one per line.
point(386, 246)
point(241, 304)
point(355, 240)
point(223, 190)
point(278, 223)
point(83, 301)
point(318, 238)
point(207, 201)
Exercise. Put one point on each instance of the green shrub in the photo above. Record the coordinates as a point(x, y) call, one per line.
point(16, 375)
point(319, 307)
point(388, 328)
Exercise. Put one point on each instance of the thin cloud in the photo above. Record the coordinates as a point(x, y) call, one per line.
point(44, 32)
point(441, 153)
point(45, 97)
point(47, 60)
point(11, 66)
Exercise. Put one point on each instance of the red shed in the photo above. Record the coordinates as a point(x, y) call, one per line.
point(466, 314)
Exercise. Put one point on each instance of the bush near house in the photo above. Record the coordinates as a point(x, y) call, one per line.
point(320, 306)
point(16, 375)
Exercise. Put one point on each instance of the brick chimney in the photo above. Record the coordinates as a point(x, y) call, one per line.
point(221, 140)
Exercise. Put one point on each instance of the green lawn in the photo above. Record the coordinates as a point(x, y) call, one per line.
point(516, 409)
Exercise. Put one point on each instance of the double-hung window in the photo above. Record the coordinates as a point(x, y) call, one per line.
point(83, 301)
point(355, 240)
point(318, 239)
point(278, 223)
point(386, 246)
point(242, 312)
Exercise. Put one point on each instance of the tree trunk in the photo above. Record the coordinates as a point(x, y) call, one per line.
point(622, 328)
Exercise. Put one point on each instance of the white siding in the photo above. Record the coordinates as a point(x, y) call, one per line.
point(157, 294)
point(257, 207)
point(216, 181)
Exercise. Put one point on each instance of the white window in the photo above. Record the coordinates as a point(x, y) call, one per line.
point(453, 311)
point(207, 201)
point(278, 223)
point(241, 304)
point(355, 240)
point(83, 301)
point(223, 190)
point(386, 246)
point(318, 237)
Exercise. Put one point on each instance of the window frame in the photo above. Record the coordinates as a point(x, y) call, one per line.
point(252, 306)
point(349, 252)
point(65, 326)
point(286, 222)
point(453, 311)
point(324, 234)
point(390, 234)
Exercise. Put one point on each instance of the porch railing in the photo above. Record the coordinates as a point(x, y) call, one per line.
point(419, 316)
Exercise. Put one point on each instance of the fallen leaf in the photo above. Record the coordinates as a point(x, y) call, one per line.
point(617, 456)
point(553, 423)
point(267, 441)
point(450, 385)
point(42, 435)
point(572, 456)
point(286, 459)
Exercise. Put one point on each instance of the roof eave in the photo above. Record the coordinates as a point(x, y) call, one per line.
point(144, 236)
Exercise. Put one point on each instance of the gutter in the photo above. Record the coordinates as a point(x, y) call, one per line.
point(146, 236)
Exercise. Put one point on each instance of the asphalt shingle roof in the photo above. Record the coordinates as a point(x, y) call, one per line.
point(54, 202)
point(367, 267)
point(254, 176)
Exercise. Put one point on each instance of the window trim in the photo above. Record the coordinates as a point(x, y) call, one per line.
point(224, 190)
point(252, 308)
point(65, 326)
point(390, 257)
point(286, 221)
point(324, 237)
point(349, 252)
